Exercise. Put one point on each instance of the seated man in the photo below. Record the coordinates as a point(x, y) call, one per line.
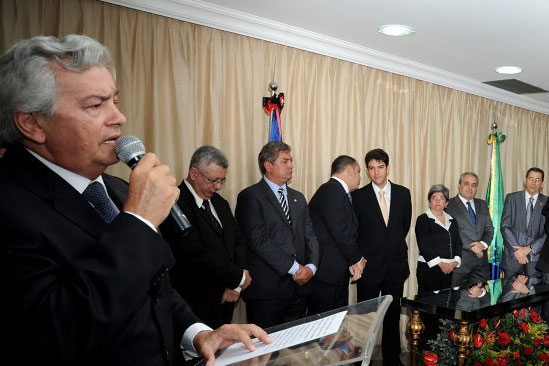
point(85, 275)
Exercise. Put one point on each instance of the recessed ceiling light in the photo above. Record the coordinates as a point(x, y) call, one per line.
point(508, 70)
point(396, 30)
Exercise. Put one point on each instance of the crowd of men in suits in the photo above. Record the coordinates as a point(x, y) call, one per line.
point(91, 281)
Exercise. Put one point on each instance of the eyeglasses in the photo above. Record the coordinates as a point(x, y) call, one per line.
point(213, 181)
point(532, 179)
point(438, 198)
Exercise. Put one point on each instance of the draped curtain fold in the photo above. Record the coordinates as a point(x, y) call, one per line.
point(183, 85)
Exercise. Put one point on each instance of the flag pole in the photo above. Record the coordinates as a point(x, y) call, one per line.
point(495, 199)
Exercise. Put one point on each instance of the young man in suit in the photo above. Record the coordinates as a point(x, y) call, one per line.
point(475, 231)
point(522, 226)
point(336, 228)
point(283, 249)
point(85, 275)
point(384, 212)
point(209, 271)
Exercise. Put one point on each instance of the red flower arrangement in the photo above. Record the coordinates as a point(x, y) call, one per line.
point(518, 338)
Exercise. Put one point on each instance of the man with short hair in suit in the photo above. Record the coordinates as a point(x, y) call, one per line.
point(85, 274)
point(475, 231)
point(336, 228)
point(523, 227)
point(384, 212)
point(282, 246)
point(209, 271)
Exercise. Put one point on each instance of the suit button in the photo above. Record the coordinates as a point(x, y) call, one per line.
point(157, 300)
point(167, 353)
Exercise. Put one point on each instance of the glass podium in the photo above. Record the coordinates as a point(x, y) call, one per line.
point(471, 303)
point(353, 341)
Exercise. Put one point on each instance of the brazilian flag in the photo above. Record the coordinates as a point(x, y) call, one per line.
point(495, 199)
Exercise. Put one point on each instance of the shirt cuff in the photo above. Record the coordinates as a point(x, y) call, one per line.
point(294, 268)
point(143, 220)
point(434, 262)
point(238, 289)
point(312, 267)
point(187, 345)
point(458, 259)
point(485, 245)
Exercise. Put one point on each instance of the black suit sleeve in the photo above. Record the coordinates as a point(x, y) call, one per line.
point(78, 302)
point(311, 242)
point(406, 212)
point(424, 236)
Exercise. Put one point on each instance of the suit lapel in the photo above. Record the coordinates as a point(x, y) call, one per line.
point(521, 209)
point(371, 196)
point(536, 215)
point(269, 195)
point(349, 206)
point(464, 212)
point(53, 189)
point(200, 213)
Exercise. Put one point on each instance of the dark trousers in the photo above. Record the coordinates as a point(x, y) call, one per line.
point(327, 296)
point(271, 312)
point(431, 279)
point(390, 339)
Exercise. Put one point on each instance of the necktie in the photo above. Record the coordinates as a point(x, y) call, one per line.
point(284, 204)
point(350, 197)
point(529, 210)
point(472, 213)
point(96, 195)
point(211, 217)
point(383, 206)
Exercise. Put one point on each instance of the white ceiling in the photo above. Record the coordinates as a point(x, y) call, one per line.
point(457, 43)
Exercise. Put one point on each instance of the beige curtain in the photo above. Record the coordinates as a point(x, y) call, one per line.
point(183, 85)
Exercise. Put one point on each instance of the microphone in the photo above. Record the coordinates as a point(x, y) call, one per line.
point(130, 150)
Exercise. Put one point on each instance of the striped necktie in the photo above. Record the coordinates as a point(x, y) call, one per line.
point(284, 204)
point(529, 210)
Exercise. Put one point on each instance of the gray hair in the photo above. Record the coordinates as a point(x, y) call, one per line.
point(465, 174)
point(29, 82)
point(438, 188)
point(270, 152)
point(205, 155)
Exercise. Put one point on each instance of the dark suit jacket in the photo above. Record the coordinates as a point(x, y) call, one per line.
point(543, 261)
point(207, 261)
point(383, 247)
point(484, 231)
point(75, 290)
point(336, 229)
point(516, 232)
point(273, 243)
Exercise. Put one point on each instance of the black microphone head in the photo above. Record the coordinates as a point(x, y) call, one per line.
point(129, 149)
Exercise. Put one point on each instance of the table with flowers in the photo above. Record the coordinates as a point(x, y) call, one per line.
point(495, 323)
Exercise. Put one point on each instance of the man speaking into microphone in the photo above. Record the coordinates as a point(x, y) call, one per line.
point(84, 274)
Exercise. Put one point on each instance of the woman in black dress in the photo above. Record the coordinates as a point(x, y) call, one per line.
point(438, 241)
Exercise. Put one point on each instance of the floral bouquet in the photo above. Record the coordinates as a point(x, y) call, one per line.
point(518, 338)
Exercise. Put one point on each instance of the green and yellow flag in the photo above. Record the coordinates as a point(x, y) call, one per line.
point(495, 199)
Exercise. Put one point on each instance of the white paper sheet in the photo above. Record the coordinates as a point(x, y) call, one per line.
point(283, 339)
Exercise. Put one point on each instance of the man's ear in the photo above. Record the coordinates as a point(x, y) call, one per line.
point(30, 126)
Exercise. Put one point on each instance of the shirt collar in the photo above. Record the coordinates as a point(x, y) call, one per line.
point(386, 189)
point(527, 197)
point(345, 186)
point(197, 199)
point(275, 187)
point(78, 182)
point(464, 200)
point(447, 218)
